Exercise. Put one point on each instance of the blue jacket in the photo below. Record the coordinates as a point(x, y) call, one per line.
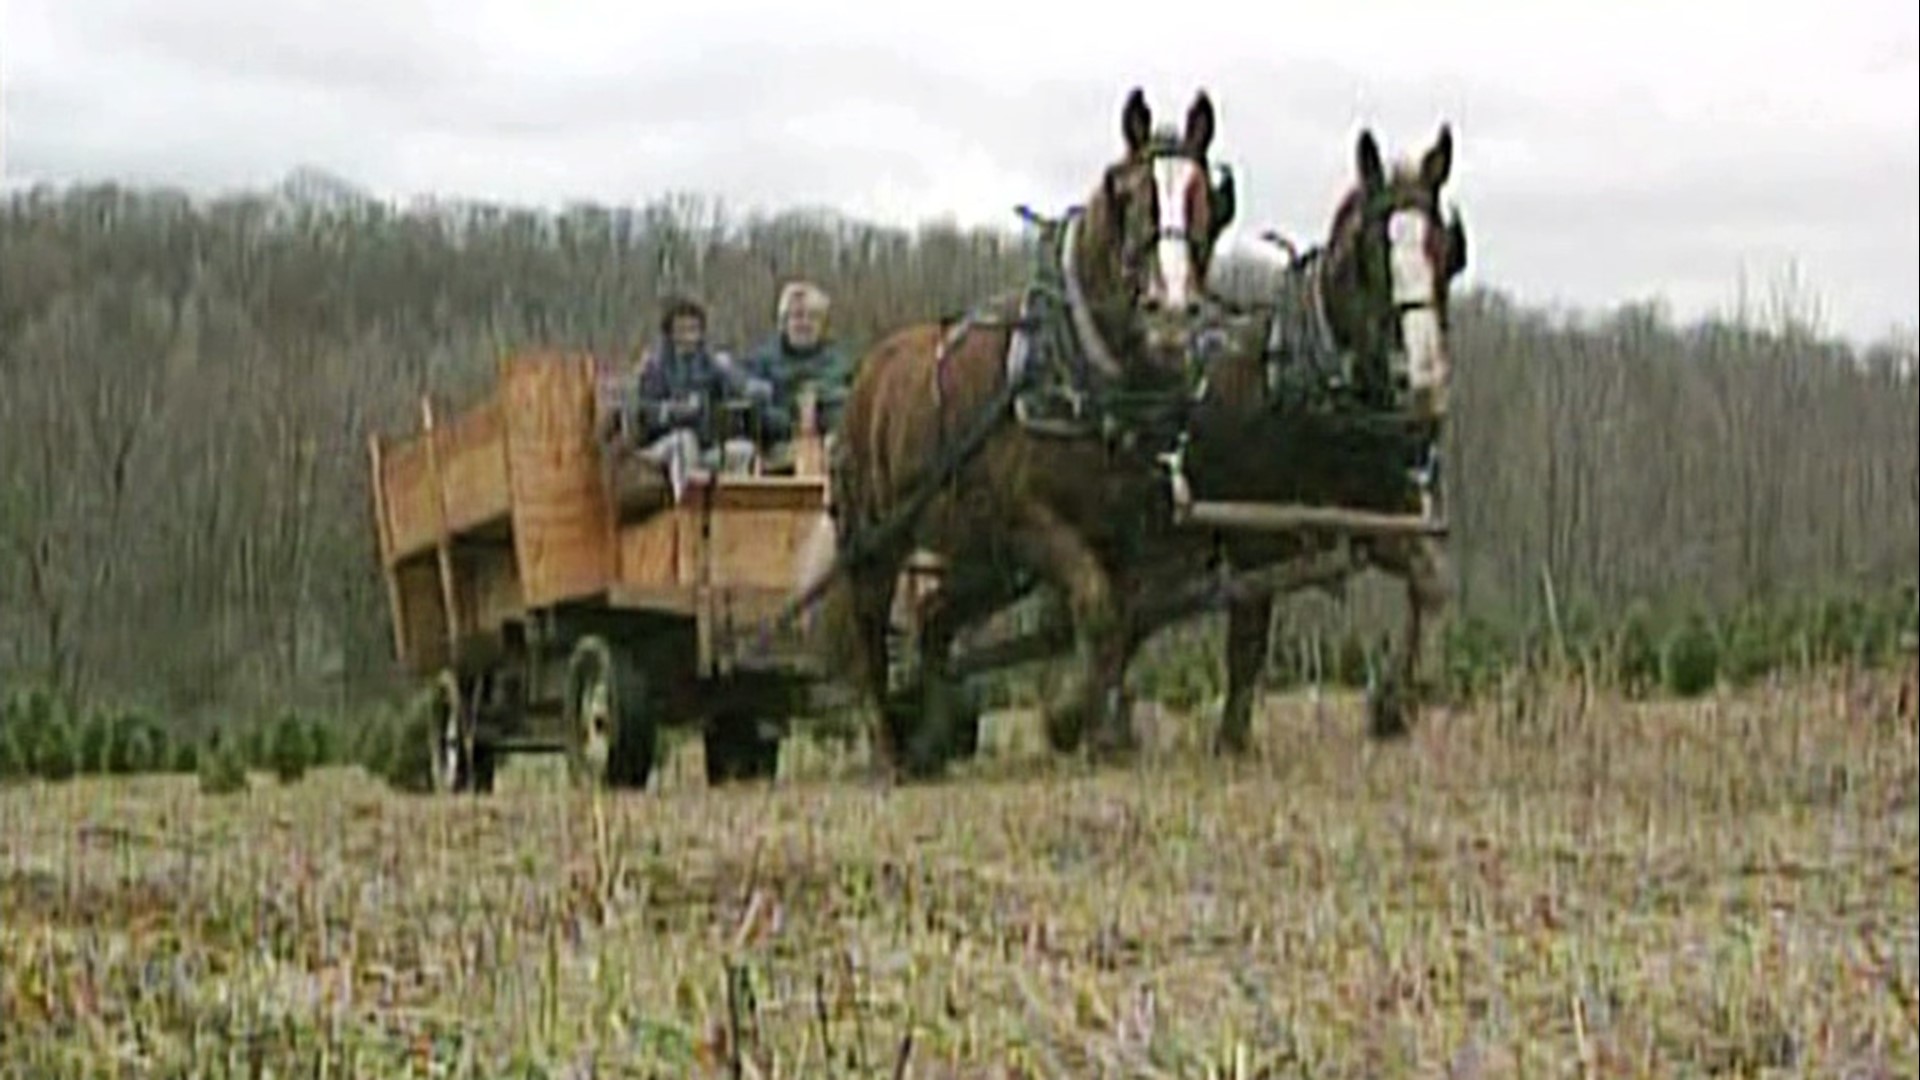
point(786, 371)
point(667, 379)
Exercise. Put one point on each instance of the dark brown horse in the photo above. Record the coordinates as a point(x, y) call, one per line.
point(1341, 405)
point(930, 455)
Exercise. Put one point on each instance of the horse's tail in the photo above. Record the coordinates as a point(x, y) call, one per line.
point(830, 626)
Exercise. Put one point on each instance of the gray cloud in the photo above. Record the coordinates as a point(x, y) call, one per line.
point(1594, 162)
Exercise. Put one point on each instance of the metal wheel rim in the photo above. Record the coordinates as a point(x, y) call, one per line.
point(446, 738)
point(596, 723)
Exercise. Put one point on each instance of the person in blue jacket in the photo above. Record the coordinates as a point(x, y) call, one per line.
point(682, 383)
point(799, 354)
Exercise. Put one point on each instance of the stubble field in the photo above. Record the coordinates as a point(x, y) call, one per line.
point(1717, 888)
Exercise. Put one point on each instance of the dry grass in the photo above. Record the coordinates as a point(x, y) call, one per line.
point(1719, 888)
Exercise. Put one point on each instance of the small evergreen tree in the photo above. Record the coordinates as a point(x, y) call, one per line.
point(1692, 660)
point(220, 766)
point(290, 747)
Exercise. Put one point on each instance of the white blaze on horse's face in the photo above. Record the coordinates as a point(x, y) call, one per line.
point(1410, 257)
point(1173, 182)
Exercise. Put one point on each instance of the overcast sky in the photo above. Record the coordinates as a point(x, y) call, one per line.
point(1603, 151)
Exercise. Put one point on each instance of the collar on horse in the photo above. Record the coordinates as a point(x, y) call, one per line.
point(1064, 378)
point(1076, 389)
point(1092, 344)
point(1304, 364)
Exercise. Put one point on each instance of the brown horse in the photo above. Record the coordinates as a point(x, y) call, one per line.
point(1342, 404)
point(930, 455)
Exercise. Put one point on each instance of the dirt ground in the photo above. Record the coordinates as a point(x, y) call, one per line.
point(1725, 887)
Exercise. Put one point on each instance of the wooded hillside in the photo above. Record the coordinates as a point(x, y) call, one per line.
point(185, 392)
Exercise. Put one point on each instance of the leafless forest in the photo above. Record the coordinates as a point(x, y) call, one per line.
point(186, 391)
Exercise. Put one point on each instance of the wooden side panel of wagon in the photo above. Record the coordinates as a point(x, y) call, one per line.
point(496, 510)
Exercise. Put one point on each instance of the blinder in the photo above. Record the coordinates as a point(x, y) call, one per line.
point(1224, 200)
point(1456, 244)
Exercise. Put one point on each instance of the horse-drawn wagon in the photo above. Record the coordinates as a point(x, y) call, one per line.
point(564, 600)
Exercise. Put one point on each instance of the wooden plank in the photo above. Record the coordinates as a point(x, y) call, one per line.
point(769, 493)
point(736, 619)
point(1264, 517)
point(412, 522)
point(560, 511)
point(473, 467)
point(670, 599)
point(706, 526)
point(517, 542)
point(689, 540)
point(424, 614)
point(489, 591)
point(809, 448)
point(616, 566)
point(443, 547)
point(383, 539)
point(650, 552)
point(759, 547)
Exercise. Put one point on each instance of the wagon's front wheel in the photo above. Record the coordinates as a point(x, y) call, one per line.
point(611, 733)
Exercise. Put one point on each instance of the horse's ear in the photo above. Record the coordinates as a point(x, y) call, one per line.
point(1224, 203)
point(1110, 199)
point(1366, 158)
point(1136, 121)
point(1438, 162)
point(1456, 244)
point(1199, 134)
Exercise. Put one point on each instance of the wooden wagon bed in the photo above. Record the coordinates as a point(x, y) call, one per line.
point(511, 507)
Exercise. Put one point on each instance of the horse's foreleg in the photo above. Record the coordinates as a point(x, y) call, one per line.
point(1249, 629)
point(1094, 694)
point(1422, 564)
point(937, 737)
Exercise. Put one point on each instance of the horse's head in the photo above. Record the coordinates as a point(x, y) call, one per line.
point(1390, 259)
point(1143, 247)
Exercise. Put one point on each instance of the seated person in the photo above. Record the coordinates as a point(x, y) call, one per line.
point(677, 392)
point(799, 354)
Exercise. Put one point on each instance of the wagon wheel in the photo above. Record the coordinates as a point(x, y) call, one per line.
point(611, 731)
point(738, 749)
point(504, 694)
point(449, 732)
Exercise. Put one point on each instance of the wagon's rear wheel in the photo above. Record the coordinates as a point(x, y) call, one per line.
point(612, 734)
point(449, 731)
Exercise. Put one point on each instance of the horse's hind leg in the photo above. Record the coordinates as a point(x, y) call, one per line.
point(1094, 695)
point(939, 705)
point(872, 604)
